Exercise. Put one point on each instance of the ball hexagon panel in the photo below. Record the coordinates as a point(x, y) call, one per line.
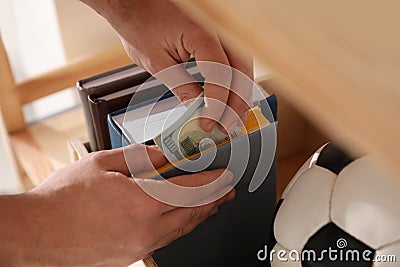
point(365, 203)
point(305, 209)
point(334, 197)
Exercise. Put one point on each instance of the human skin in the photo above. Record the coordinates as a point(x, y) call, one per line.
point(157, 35)
point(92, 213)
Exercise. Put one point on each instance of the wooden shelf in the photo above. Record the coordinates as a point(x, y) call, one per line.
point(337, 62)
point(42, 148)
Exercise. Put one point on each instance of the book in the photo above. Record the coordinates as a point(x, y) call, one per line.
point(242, 227)
point(110, 91)
point(107, 83)
point(149, 92)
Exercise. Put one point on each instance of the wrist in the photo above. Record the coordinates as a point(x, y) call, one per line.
point(14, 229)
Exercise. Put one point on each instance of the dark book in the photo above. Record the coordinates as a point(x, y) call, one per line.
point(111, 91)
point(242, 227)
point(107, 83)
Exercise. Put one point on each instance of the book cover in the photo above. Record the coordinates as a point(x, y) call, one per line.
point(242, 227)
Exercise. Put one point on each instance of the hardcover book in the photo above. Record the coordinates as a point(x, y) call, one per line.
point(242, 227)
point(111, 91)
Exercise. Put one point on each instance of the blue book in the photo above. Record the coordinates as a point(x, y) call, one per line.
point(242, 227)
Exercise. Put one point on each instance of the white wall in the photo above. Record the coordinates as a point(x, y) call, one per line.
point(34, 45)
point(41, 35)
point(83, 31)
point(31, 35)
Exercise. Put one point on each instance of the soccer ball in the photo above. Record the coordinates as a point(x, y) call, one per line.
point(338, 211)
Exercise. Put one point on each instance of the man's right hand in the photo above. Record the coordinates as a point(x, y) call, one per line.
point(91, 213)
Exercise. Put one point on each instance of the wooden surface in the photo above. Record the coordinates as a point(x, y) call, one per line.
point(52, 135)
point(67, 76)
point(37, 148)
point(337, 62)
point(42, 148)
point(30, 156)
point(9, 100)
point(14, 95)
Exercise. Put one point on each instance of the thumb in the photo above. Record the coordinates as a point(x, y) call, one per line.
point(131, 159)
point(189, 190)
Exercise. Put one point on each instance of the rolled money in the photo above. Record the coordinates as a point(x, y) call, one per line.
point(185, 138)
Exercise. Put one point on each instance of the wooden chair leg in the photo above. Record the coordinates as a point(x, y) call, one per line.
point(27, 152)
point(9, 100)
point(30, 157)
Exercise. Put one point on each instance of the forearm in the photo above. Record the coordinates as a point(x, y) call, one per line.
point(27, 232)
point(32, 233)
point(13, 229)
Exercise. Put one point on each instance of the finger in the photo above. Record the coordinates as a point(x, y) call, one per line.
point(187, 190)
point(172, 236)
point(201, 178)
point(176, 78)
point(240, 98)
point(139, 158)
point(131, 159)
point(181, 221)
point(207, 48)
point(234, 114)
point(201, 188)
point(187, 92)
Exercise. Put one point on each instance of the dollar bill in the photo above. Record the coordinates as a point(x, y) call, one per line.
point(185, 137)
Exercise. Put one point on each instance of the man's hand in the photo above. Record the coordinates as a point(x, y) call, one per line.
point(157, 35)
point(92, 213)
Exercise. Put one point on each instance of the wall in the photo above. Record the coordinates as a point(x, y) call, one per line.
point(31, 36)
point(82, 30)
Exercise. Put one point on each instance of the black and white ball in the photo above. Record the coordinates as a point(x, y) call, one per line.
point(339, 205)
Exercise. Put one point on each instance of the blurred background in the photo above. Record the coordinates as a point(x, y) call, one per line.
point(43, 35)
point(40, 36)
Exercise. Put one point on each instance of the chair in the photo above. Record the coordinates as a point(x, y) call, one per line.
point(13, 96)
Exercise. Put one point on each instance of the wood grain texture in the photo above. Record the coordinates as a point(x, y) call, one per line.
point(78, 148)
point(9, 100)
point(31, 158)
point(338, 62)
point(52, 135)
point(42, 148)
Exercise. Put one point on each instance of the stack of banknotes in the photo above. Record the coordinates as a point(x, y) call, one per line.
point(185, 138)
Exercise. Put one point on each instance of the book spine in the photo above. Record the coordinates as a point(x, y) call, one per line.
point(83, 95)
point(97, 113)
